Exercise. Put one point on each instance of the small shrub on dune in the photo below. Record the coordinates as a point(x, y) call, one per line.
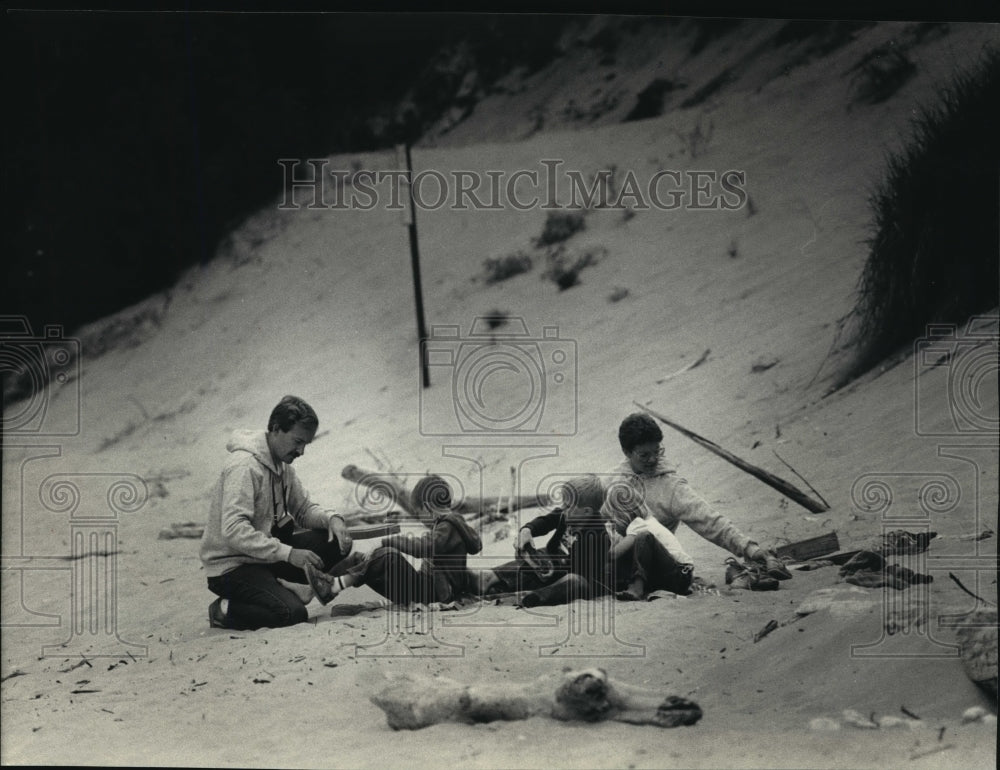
point(499, 269)
point(933, 255)
point(560, 226)
point(564, 268)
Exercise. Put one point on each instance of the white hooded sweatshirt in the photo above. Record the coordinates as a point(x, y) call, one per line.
point(249, 497)
point(665, 496)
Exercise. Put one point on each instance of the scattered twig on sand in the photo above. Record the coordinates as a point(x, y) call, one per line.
point(83, 662)
point(771, 625)
point(804, 480)
point(188, 529)
point(12, 674)
point(974, 596)
point(908, 713)
point(768, 478)
point(935, 750)
point(689, 367)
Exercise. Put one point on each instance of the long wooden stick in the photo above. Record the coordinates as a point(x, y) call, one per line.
point(787, 489)
point(802, 478)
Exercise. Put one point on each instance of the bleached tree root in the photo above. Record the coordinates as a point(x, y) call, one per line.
point(587, 695)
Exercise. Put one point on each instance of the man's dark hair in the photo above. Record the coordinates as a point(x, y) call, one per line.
point(431, 492)
point(292, 411)
point(638, 428)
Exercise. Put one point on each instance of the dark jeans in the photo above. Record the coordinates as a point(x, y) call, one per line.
point(647, 559)
point(389, 573)
point(257, 599)
point(656, 567)
point(517, 576)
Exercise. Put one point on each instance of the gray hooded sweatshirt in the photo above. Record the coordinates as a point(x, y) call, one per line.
point(667, 497)
point(250, 495)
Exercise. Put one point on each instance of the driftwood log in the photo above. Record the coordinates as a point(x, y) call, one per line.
point(787, 489)
point(587, 695)
point(977, 646)
point(388, 484)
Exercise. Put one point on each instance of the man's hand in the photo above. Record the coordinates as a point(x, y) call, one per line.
point(524, 539)
point(636, 526)
point(300, 557)
point(338, 529)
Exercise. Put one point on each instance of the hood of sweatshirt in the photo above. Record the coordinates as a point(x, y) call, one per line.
point(472, 542)
point(254, 442)
point(661, 469)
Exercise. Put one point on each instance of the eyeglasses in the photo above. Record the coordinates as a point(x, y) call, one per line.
point(649, 456)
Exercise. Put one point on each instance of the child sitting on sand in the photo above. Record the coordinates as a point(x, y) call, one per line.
point(443, 575)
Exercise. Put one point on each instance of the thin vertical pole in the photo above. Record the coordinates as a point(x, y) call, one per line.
point(417, 288)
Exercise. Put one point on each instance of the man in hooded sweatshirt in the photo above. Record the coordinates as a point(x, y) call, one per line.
point(263, 529)
point(646, 494)
point(443, 576)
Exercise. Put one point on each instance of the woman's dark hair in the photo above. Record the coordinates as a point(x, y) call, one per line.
point(292, 411)
point(638, 428)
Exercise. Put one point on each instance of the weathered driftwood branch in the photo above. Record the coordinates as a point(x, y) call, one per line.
point(787, 489)
point(387, 484)
point(802, 478)
point(411, 703)
point(383, 483)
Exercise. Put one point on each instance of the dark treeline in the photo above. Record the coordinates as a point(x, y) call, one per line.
point(136, 141)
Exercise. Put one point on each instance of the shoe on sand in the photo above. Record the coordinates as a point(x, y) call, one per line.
point(775, 567)
point(748, 576)
point(323, 585)
point(216, 617)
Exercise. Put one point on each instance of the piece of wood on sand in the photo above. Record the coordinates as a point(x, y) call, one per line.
point(811, 548)
point(387, 484)
point(415, 701)
point(789, 490)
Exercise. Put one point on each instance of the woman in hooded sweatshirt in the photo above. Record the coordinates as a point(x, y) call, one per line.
point(646, 493)
point(443, 576)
